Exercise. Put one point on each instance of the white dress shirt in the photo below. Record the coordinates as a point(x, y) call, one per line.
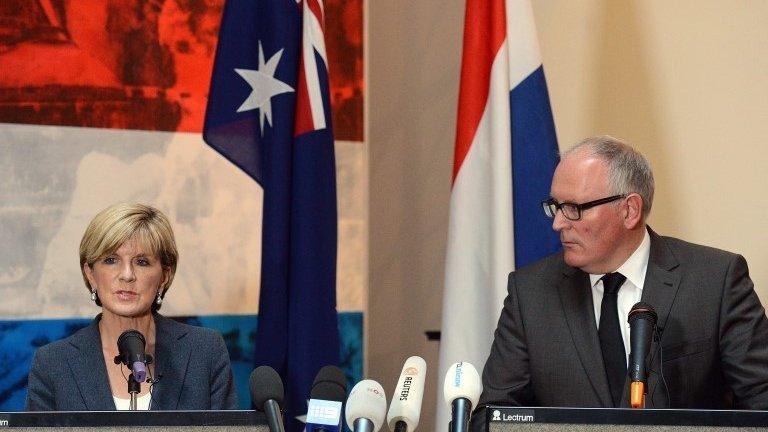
point(142, 402)
point(630, 292)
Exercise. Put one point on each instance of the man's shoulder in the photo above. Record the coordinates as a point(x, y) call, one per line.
point(542, 274)
point(549, 264)
point(692, 253)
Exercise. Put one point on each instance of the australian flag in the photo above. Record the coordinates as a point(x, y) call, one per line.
point(269, 113)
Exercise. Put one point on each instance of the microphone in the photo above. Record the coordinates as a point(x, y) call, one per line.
point(405, 409)
point(461, 390)
point(366, 407)
point(130, 346)
point(267, 394)
point(325, 400)
point(642, 321)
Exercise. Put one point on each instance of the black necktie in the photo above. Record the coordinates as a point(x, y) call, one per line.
point(614, 356)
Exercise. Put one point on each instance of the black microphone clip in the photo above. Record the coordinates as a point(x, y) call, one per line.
point(153, 381)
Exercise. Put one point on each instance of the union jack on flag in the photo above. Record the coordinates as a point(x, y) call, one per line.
point(310, 112)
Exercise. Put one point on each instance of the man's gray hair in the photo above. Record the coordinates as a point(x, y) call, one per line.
point(628, 170)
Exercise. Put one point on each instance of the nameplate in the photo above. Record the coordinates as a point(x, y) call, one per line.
point(512, 415)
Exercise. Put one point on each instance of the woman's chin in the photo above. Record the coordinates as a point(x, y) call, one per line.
point(128, 311)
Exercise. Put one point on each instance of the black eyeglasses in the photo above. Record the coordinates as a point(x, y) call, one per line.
point(572, 211)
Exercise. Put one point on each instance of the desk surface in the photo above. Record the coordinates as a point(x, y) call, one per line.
point(229, 420)
point(502, 418)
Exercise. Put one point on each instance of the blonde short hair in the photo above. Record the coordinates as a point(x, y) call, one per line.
point(118, 223)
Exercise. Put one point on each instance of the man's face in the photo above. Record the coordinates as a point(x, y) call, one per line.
point(593, 243)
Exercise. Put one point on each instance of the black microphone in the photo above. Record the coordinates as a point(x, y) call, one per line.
point(642, 321)
point(267, 394)
point(130, 346)
point(326, 398)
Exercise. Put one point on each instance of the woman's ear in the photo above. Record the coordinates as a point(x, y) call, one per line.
point(88, 271)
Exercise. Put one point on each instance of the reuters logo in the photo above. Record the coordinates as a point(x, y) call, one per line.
point(411, 371)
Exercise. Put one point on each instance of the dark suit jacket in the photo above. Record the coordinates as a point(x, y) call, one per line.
point(192, 363)
point(546, 350)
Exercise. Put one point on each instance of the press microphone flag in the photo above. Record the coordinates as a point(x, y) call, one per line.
point(267, 393)
point(461, 390)
point(642, 323)
point(405, 408)
point(326, 398)
point(366, 407)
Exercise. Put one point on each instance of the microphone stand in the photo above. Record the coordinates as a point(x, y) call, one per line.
point(134, 388)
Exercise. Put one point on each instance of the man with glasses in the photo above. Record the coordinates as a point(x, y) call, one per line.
point(563, 336)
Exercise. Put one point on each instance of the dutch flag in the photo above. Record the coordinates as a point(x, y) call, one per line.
point(505, 154)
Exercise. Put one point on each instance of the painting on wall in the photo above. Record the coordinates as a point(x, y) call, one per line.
point(103, 101)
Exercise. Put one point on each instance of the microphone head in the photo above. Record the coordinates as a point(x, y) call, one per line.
point(330, 384)
point(366, 400)
point(131, 342)
point(462, 381)
point(642, 310)
point(408, 395)
point(130, 346)
point(265, 384)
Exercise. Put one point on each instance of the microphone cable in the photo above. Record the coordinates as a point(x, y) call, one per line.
point(660, 352)
point(151, 380)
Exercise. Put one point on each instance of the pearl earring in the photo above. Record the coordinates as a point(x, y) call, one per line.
point(159, 299)
point(93, 296)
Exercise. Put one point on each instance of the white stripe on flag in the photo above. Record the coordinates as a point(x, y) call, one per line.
point(522, 44)
point(312, 39)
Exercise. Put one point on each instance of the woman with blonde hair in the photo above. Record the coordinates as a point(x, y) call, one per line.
point(128, 259)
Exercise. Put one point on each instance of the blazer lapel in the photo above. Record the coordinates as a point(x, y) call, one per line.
point(89, 370)
point(662, 280)
point(171, 360)
point(576, 299)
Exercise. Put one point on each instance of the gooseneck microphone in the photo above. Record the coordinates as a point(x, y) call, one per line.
point(642, 322)
point(267, 394)
point(461, 390)
point(366, 407)
point(405, 408)
point(130, 348)
point(329, 390)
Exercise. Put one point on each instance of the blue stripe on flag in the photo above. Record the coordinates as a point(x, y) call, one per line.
point(534, 157)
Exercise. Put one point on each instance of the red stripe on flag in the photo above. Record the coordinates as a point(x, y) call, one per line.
point(484, 32)
point(303, 121)
point(317, 10)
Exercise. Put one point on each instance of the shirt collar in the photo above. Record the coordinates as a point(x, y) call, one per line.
point(634, 267)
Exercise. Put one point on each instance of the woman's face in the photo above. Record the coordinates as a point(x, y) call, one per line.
point(127, 281)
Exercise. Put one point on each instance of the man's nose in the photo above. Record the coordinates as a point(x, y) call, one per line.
point(559, 222)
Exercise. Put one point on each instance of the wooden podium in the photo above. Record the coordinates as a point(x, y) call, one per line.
point(508, 419)
point(135, 421)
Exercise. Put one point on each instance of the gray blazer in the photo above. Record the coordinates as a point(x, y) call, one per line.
point(546, 350)
point(192, 365)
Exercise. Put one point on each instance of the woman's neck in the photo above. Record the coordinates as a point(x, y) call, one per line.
point(111, 326)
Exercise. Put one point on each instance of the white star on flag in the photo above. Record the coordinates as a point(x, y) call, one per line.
point(264, 86)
